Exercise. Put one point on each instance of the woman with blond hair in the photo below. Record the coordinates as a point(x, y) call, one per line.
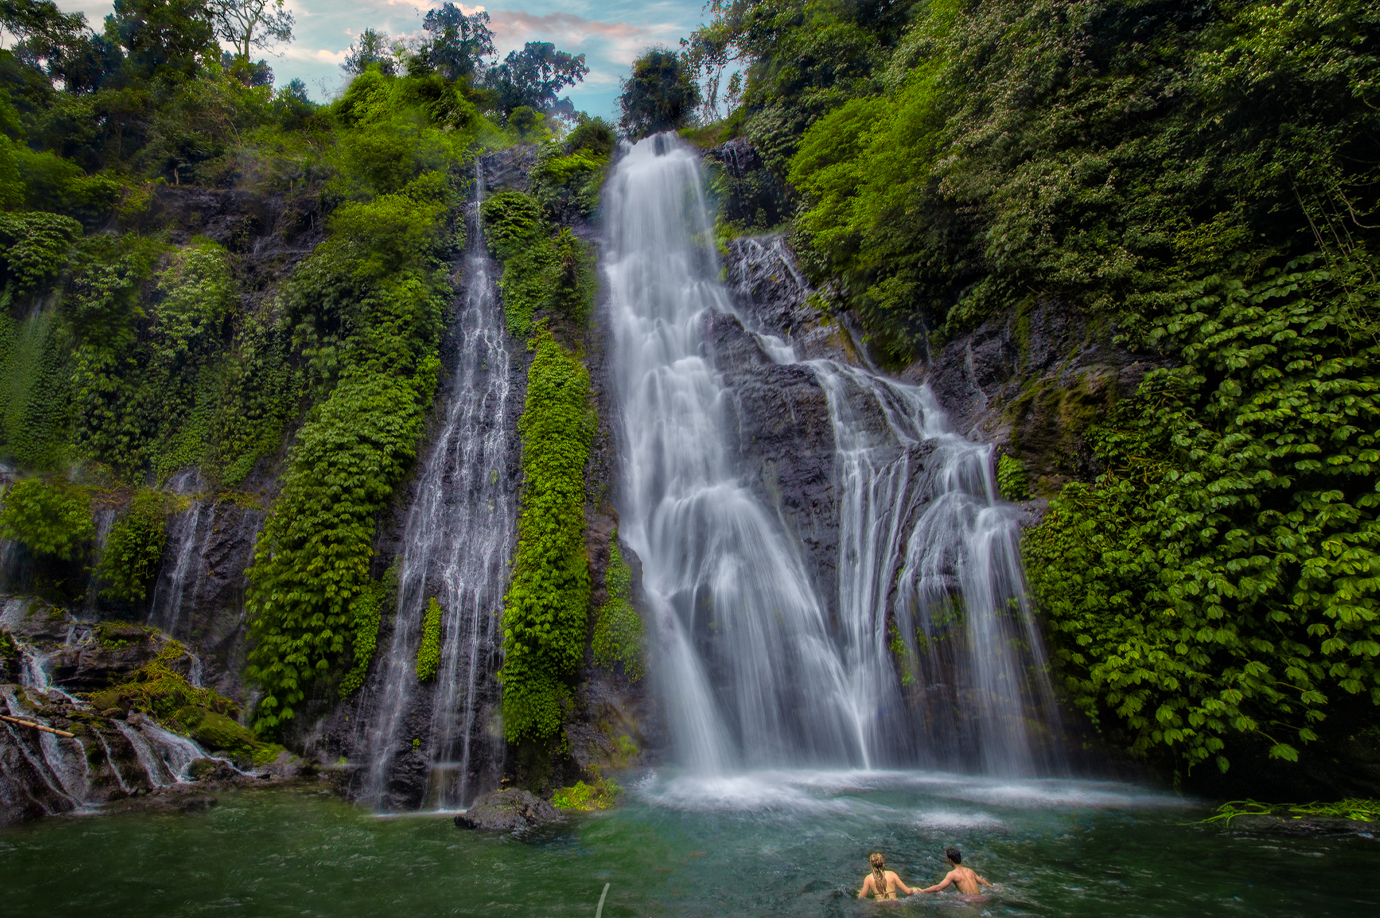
point(881, 883)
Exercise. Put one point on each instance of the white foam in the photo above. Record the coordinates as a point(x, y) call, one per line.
point(825, 791)
point(947, 819)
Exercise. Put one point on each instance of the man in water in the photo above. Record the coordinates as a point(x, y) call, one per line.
point(882, 883)
point(966, 880)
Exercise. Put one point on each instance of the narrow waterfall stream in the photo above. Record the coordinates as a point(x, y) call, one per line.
point(933, 658)
point(458, 540)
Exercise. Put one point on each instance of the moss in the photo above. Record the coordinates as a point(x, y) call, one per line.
point(114, 635)
point(429, 650)
point(602, 794)
point(618, 627)
point(545, 618)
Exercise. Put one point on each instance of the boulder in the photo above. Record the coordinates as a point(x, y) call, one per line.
point(507, 811)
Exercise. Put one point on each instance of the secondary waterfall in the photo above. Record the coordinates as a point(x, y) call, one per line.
point(458, 541)
point(929, 653)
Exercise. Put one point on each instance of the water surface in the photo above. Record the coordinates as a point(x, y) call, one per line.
point(761, 844)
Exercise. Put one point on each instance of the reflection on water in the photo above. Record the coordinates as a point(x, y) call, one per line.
point(761, 844)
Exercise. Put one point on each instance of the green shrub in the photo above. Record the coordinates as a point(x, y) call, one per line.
point(618, 627)
point(1215, 592)
point(512, 222)
point(380, 595)
point(34, 247)
point(47, 517)
point(429, 650)
point(542, 273)
point(567, 185)
point(546, 610)
point(1012, 480)
point(603, 794)
point(135, 547)
point(35, 390)
point(309, 583)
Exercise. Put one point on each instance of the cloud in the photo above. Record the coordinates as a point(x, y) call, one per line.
point(313, 55)
point(619, 42)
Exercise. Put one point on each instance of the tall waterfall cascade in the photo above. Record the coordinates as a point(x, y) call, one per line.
point(458, 540)
point(928, 655)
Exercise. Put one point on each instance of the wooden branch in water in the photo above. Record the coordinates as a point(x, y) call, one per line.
point(29, 723)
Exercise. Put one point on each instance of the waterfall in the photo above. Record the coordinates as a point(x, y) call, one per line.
point(458, 542)
point(928, 655)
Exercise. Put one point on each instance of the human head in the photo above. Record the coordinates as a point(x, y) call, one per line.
point(876, 860)
point(954, 855)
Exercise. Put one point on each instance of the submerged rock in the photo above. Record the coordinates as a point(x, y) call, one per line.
point(507, 811)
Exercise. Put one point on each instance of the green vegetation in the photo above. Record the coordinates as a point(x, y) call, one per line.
point(618, 627)
point(1011, 478)
point(545, 618)
point(134, 549)
point(379, 595)
point(429, 650)
point(660, 94)
point(1217, 584)
point(602, 794)
point(48, 518)
point(545, 274)
point(159, 690)
point(1350, 808)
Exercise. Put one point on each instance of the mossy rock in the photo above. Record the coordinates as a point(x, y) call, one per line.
point(216, 731)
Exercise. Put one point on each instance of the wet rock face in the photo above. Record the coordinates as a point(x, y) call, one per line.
point(507, 170)
point(1031, 381)
point(750, 194)
point(508, 810)
point(199, 595)
point(785, 443)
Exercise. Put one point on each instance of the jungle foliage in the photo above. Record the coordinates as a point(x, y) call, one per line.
point(546, 611)
point(617, 638)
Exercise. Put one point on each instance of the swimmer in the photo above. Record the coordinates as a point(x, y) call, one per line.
point(966, 880)
point(882, 883)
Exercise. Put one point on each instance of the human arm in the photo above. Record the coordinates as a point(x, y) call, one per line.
point(983, 881)
point(901, 885)
point(947, 882)
point(867, 885)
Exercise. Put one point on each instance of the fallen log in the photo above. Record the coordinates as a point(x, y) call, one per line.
point(44, 728)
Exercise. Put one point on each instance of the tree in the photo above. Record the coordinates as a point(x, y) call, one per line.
point(250, 23)
point(533, 76)
point(661, 94)
point(456, 43)
point(371, 48)
point(57, 43)
point(167, 36)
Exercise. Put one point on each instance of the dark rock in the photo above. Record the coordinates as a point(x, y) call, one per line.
point(785, 441)
point(508, 811)
point(198, 804)
point(212, 770)
point(1032, 380)
point(507, 170)
point(751, 195)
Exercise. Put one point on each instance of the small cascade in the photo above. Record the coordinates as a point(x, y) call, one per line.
point(928, 655)
point(185, 550)
point(458, 541)
point(110, 758)
point(105, 518)
point(923, 534)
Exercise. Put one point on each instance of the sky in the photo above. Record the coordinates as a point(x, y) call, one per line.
point(611, 34)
